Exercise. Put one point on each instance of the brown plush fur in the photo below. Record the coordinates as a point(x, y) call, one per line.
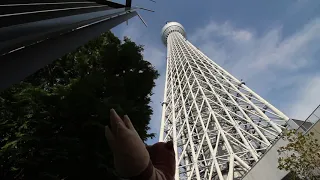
point(162, 157)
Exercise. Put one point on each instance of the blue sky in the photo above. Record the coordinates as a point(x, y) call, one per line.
point(274, 46)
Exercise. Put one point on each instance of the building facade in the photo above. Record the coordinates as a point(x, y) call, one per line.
point(268, 164)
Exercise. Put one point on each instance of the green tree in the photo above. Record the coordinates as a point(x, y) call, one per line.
point(301, 156)
point(52, 123)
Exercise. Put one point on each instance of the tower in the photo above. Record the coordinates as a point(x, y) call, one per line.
point(218, 125)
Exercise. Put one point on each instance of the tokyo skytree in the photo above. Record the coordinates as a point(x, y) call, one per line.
point(218, 125)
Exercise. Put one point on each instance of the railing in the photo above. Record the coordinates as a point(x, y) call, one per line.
point(313, 118)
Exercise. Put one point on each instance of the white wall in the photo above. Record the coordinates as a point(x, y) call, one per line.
point(267, 167)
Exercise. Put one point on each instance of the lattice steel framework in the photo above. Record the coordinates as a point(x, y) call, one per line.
point(218, 125)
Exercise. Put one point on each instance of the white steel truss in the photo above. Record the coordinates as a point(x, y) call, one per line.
point(218, 125)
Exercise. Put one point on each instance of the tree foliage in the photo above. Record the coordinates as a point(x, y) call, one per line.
point(301, 156)
point(52, 123)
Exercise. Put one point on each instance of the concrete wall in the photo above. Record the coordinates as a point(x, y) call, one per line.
point(267, 167)
point(316, 130)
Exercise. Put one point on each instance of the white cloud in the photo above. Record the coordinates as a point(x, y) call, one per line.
point(221, 30)
point(291, 52)
point(269, 62)
point(308, 100)
point(155, 56)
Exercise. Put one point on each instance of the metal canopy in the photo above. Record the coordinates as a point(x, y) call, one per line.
point(33, 33)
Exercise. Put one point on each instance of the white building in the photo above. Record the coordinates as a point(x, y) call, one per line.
point(267, 167)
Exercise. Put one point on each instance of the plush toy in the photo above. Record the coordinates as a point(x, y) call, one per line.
point(132, 159)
